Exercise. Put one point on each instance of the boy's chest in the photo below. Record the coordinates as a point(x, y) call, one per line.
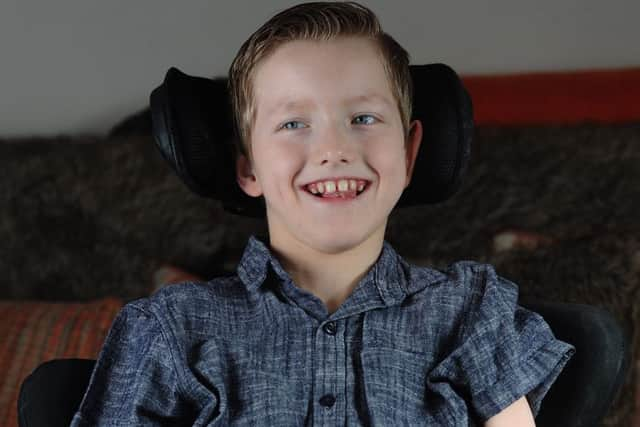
point(359, 370)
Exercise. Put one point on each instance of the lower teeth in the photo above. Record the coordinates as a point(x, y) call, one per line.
point(350, 194)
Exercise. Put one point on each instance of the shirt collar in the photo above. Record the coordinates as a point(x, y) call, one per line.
point(389, 272)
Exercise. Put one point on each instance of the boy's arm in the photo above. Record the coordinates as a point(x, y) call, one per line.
point(504, 352)
point(517, 414)
point(134, 381)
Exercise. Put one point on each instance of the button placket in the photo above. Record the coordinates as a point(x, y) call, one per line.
point(329, 374)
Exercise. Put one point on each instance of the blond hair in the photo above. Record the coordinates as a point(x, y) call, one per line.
point(313, 21)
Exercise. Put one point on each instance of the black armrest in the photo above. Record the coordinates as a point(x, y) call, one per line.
point(587, 386)
point(52, 393)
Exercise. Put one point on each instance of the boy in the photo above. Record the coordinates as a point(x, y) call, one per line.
point(325, 324)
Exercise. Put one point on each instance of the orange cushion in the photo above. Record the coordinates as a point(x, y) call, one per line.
point(32, 332)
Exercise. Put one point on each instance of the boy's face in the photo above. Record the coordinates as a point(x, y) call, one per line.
point(325, 111)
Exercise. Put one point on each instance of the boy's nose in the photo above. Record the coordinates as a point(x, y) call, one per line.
point(334, 148)
point(336, 156)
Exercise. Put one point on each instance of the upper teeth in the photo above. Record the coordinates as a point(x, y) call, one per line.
point(331, 186)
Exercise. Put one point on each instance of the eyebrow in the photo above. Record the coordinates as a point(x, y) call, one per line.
point(305, 103)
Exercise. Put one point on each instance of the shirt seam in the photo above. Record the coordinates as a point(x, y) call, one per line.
point(181, 386)
point(468, 299)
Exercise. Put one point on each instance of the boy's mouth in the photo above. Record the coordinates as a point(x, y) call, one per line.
point(343, 188)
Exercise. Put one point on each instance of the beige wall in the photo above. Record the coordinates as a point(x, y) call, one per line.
point(79, 66)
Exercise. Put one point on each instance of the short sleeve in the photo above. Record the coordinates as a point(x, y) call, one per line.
point(504, 351)
point(134, 381)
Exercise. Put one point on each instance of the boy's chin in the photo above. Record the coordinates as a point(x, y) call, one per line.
point(329, 240)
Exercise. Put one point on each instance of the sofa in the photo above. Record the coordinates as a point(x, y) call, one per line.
point(550, 199)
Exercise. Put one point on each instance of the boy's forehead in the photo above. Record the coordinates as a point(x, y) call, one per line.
point(285, 81)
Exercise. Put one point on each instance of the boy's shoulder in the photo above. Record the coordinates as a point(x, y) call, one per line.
point(460, 281)
point(457, 273)
point(193, 297)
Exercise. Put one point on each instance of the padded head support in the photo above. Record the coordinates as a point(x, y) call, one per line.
point(193, 128)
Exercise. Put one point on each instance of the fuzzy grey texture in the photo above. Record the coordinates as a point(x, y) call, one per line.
point(88, 217)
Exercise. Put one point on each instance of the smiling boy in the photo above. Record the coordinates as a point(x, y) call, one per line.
point(325, 324)
point(327, 122)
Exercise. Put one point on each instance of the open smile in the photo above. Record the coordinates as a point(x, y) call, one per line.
point(340, 190)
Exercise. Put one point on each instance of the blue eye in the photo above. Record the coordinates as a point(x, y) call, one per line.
point(370, 118)
point(286, 125)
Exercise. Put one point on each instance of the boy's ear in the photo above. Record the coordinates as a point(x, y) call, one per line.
point(412, 146)
point(245, 177)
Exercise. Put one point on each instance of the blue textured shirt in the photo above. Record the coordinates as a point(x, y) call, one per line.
point(410, 346)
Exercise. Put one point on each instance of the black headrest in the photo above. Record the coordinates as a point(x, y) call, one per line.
point(193, 128)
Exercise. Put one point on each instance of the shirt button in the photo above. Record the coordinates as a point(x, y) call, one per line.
point(330, 328)
point(327, 400)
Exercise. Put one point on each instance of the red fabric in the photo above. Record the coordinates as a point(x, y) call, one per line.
point(605, 96)
point(33, 332)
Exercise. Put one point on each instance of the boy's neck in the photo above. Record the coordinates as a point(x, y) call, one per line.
point(330, 277)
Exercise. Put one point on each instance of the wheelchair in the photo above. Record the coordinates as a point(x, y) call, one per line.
point(192, 128)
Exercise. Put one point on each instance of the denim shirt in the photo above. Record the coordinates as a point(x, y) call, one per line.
point(410, 346)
